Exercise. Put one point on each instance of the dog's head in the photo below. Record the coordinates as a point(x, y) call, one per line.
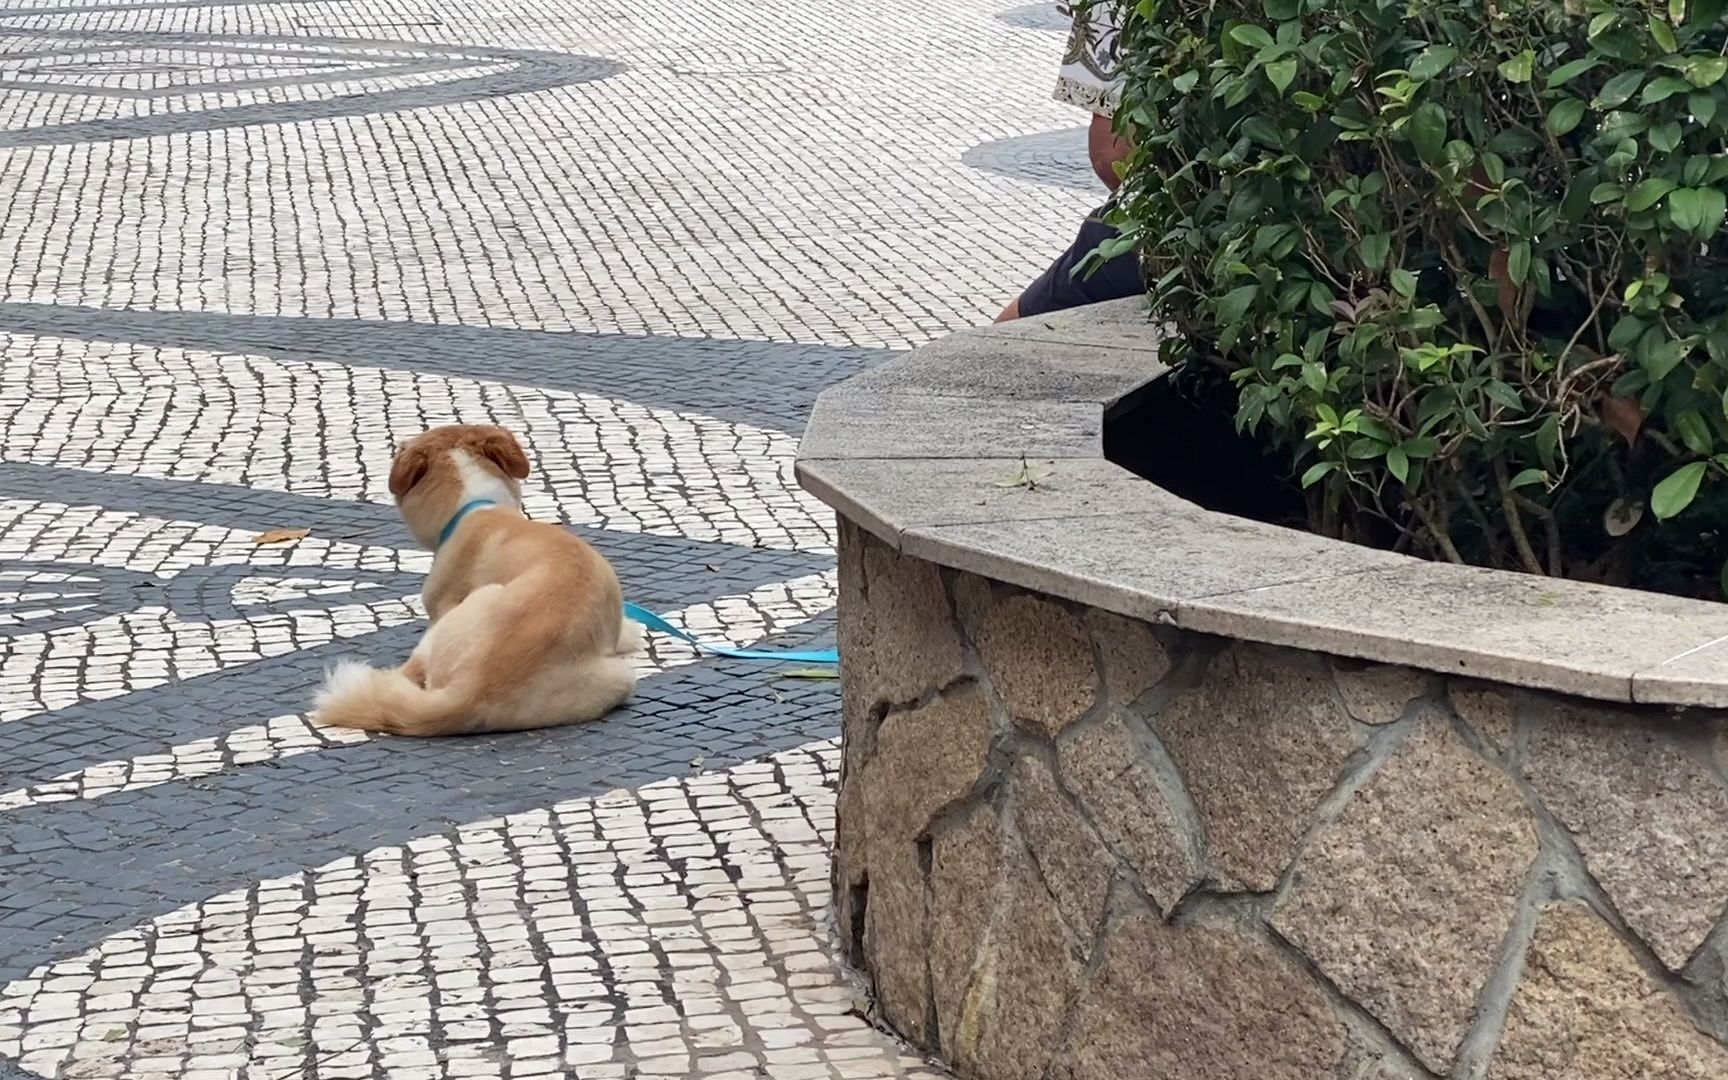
point(435, 474)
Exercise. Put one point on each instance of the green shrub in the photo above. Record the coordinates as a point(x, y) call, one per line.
point(1463, 262)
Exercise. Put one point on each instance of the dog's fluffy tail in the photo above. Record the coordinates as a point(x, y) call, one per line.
point(631, 637)
point(357, 696)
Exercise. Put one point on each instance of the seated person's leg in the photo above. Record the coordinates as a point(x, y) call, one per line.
point(1066, 284)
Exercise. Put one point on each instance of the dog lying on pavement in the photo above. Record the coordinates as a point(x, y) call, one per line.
point(527, 625)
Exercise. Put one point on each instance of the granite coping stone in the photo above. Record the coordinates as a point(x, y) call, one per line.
point(1002, 368)
point(882, 424)
point(990, 460)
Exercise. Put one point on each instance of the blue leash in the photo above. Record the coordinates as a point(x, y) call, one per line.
point(791, 656)
point(654, 622)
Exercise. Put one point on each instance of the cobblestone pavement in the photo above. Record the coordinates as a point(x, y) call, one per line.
point(244, 247)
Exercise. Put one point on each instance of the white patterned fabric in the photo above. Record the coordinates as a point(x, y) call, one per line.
point(1090, 77)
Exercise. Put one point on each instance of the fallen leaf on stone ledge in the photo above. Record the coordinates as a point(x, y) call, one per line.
point(280, 536)
point(1025, 477)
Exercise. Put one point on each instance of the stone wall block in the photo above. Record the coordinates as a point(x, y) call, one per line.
point(1002, 1016)
point(1107, 765)
point(1259, 743)
point(1379, 693)
point(1491, 713)
point(926, 758)
point(1202, 1001)
point(898, 641)
point(966, 873)
point(851, 860)
point(1040, 661)
point(1132, 659)
point(1071, 858)
point(1406, 898)
point(1647, 810)
point(1585, 1008)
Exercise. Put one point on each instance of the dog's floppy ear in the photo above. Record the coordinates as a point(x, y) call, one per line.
point(501, 448)
point(408, 469)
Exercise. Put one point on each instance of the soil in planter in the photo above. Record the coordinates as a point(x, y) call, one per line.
point(1178, 433)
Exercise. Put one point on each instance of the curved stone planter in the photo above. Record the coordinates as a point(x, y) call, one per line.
point(1135, 791)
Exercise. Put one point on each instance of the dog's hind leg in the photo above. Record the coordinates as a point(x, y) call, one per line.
point(586, 690)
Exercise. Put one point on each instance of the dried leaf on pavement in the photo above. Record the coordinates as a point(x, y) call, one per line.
point(280, 536)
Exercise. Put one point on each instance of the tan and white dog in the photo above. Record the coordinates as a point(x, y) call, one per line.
point(528, 628)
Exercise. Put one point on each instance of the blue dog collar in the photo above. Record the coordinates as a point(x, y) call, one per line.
point(467, 508)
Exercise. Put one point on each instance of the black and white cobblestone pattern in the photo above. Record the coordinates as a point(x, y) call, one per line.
point(248, 246)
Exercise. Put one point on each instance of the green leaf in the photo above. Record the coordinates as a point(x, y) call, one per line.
point(1186, 81)
point(1518, 262)
point(1420, 449)
point(1677, 490)
point(1375, 248)
point(1505, 395)
point(1684, 207)
point(1433, 62)
point(1565, 116)
point(1528, 477)
point(1263, 131)
point(1521, 67)
point(1702, 71)
point(1713, 204)
point(1235, 304)
point(1281, 73)
point(1663, 34)
point(1398, 464)
point(1648, 193)
point(1279, 10)
point(1662, 89)
point(1363, 449)
point(1665, 137)
point(1618, 90)
point(1702, 106)
point(1660, 361)
point(1625, 333)
point(1694, 432)
point(1317, 473)
point(1404, 282)
point(1252, 36)
point(1320, 300)
point(1566, 72)
point(1314, 377)
point(1428, 131)
point(1548, 443)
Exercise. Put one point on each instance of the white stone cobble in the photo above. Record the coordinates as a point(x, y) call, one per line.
point(249, 246)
